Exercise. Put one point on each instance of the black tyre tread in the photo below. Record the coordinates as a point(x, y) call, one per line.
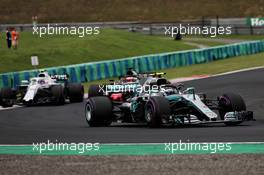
point(7, 94)
point(75, 92)
point(161, 107)
point(94, 90)
point(236, 104)
point(237, 101)
point(101, 111)
point(58, 93)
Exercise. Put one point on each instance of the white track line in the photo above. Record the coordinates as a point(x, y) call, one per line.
point(9, 108)
point(238, 71)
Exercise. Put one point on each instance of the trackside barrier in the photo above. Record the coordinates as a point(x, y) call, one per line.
point(113, 68)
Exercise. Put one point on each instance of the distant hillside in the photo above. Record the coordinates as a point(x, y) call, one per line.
point(20, 11)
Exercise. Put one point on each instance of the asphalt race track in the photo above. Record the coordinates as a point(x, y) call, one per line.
point(27, 125)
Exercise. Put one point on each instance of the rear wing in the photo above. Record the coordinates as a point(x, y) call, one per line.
point(157, 74)
point(153, 74)
point(60, 77)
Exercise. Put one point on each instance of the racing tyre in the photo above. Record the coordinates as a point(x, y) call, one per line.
point(75, 92)
point(58, 94)
point(95, 90)
point(7, 97)
point(98, 111)
point(229, 102)
point(156, 109)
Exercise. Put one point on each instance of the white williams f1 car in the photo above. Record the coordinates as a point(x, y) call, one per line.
point(42, 89)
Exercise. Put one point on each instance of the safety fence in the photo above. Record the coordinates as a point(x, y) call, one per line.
point(113, 68)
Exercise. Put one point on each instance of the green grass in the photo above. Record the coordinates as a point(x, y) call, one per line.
point(211, 42)
point(17, 11)
point(60, 50)
point(240, 37)
point(211, 68)
point(243, 37)
point(207, 42)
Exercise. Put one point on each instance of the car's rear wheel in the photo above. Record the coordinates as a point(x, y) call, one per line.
point(58, 95)
point(98, 111)
point(7, 97)
point(95, 90)
point(156, 110)
point(229, 102)
point(75, 92)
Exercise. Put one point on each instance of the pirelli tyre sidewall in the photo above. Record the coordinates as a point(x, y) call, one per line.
point(7, 97)
point(229, 102)
point(156, 110)
point(98, 111)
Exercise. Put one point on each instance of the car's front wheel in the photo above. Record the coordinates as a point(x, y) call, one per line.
point(98, 111)
point(230, 102)
point(156, 109)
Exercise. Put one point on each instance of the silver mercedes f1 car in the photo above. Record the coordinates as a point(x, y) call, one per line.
point(158, 102)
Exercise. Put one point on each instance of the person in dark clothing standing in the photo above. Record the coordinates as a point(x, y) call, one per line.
point(8, 38)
